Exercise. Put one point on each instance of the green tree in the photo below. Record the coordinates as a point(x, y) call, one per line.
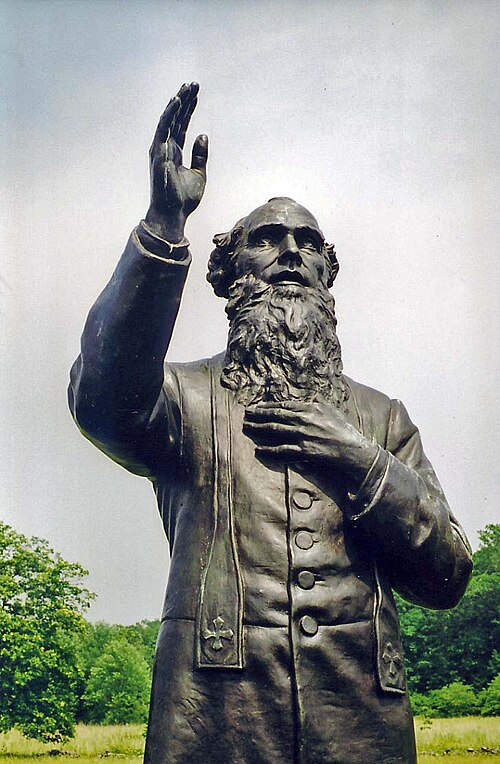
point(444, 647)
point(144, 634)
point(92, 642)
point(421, 705)
point(41, 603)
point(489, 698)
point(118, 687)
point(487, 557)
point(455, 699)
point(97, 635)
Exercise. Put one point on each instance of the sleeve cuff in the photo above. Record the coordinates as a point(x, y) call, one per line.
point(159, 248)
point(362, 501)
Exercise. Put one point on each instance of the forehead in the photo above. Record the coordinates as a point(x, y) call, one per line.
point(281, 212)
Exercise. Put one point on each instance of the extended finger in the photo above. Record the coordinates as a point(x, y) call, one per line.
point(183, 95)
point(165, 123)
point(272, 413)
point(272, 430)
point(290, 405)
point(200, 155)
point(184, 117)
point(288, 452)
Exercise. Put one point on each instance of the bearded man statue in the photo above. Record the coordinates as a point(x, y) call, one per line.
point(294, 499)
point(282, 341)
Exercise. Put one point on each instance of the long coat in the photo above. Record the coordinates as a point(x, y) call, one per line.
point(279, 640)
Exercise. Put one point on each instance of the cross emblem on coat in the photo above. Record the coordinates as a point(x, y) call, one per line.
point(218, 634)
point(391, 657)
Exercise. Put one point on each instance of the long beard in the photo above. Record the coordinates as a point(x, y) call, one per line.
point(282, 344)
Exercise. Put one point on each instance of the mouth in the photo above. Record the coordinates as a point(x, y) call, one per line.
point(289, 277)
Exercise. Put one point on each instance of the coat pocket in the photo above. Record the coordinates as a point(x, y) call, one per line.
point(389, 657)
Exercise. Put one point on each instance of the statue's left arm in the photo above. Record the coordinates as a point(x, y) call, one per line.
point(395, 502)
point(402, 509)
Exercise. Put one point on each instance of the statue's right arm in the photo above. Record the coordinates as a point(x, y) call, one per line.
point(116, 386)
point(117, 393)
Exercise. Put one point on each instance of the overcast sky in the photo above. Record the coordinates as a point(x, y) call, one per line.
point(381, 117)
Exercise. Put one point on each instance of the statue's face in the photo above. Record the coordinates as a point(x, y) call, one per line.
point(282, 243)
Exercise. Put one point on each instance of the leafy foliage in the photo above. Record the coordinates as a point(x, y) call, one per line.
point(489, 698)
point(117, 690)
point(55, 667)
point(420, 705)
point(487, 557)
point(145, 634)
point(96, 636)
point(443, 648)
point(41, 603)
point(455, 699)
point(100, 639)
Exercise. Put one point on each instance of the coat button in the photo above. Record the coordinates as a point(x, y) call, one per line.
point(304, 540)
point(308, 625)
point(302, 499)
point(306, 579)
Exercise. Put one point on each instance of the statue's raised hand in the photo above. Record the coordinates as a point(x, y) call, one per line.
point(176, 190)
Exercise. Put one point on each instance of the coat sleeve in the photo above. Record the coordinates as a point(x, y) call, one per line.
point(119, 394)
point(405, 515)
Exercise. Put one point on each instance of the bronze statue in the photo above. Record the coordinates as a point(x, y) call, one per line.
point(294, 499)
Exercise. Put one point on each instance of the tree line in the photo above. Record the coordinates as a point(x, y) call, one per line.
point(453, 656)
point(57, 669)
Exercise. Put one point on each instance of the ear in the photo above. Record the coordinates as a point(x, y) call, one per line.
point(227, 241)
point(220, 264)
point(333, 263)
point(222, 240)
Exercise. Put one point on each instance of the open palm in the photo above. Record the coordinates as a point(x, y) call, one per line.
point(176, 190)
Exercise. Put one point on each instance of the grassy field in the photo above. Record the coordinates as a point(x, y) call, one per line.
point(470, 740)
point(125, 742)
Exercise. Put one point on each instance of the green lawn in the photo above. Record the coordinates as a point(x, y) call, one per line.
point(440, 739)
point(451, 739)
point(90, 743)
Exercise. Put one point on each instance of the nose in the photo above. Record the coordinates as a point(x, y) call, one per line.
point(289, 252)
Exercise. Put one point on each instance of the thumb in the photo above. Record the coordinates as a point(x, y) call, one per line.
point(200, 155)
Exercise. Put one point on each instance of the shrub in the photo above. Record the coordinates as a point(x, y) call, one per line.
point(118, 688)
point(42, 599)
point(421, 705)
point(489, 698)
point(455, 699)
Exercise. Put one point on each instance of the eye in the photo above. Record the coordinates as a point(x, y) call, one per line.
point(264, 241)
point(306, 241)
point(267, 239)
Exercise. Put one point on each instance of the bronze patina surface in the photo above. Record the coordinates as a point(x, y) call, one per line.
point(295, 500)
